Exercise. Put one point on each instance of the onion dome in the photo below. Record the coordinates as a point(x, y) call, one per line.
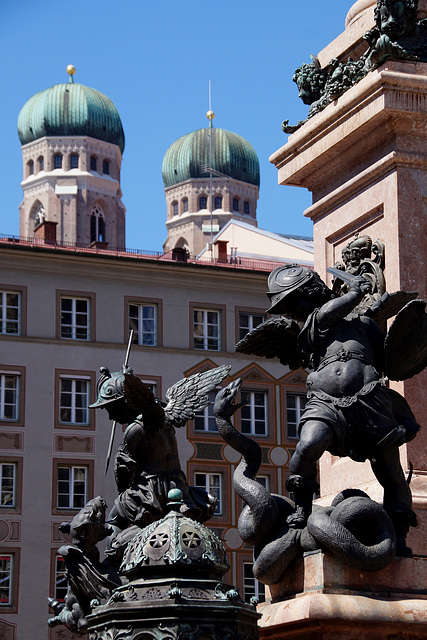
point(232, 156)
point(70, 109)
point(175, 544)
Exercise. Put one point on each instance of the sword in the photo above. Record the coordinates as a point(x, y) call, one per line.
point(114, 425)
point(345, 276)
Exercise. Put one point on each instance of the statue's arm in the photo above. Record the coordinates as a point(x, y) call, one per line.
point(126, 461)
point(339, 308)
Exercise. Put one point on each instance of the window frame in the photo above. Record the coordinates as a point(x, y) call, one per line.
point(252, 417)
point(15, 555)
point(200, 203)
point(207, 416)
point(249, 311)
point(216, 198)
point(236, 204)
point(90, 377)
point(57, 161)
point(40, 163)
point(246, 208)
point(137, 301)
point(74, 157)
point(78, 295)
point(19, 372)
point(17, 462)
point(184, 205)
point(70, 463)
point(258, 586)
point(106, 167)
point(22, 308)
point(298, 410)
point(93, 163)
point(224, 471)
point(175, 208)
point(30, 168)
point(222, 337)
point(55, 556)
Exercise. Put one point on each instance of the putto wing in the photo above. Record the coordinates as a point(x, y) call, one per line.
point(142, 399)
point(275, 338)
point(190, 395)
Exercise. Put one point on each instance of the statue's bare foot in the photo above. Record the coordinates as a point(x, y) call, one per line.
point(298, 519)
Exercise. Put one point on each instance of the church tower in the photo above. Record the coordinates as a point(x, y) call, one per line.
point(72, 143)
point(210, 176)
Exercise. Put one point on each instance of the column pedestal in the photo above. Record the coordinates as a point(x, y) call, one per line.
point(323, 598)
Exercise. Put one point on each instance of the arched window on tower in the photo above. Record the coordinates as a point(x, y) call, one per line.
point(97, 224)
point(74, 161)
point(218, 202)
point(185, 205)
point(203, 202)
point(40, 216)
point(93, 163)
point(235, 204)
point(175, 208)
point(30, 167)
point(57, 161)
point(246, 208)
point(40, 163)
point(106, 167)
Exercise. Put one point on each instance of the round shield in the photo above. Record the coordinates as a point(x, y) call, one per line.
point(406, 342)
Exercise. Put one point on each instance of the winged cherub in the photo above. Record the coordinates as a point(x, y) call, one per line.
point(147, 464)
point(350, 410)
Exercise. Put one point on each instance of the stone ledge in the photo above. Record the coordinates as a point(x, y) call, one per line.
point(324, 573)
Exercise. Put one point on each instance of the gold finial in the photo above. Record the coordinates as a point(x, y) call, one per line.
point(71, 70)
point(210, 115)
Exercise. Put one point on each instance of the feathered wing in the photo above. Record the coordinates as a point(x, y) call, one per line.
point(190, 395)
point(142, 399)
point(275, 338)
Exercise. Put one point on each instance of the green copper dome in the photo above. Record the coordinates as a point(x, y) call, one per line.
point(70, 109)
point(232, 155)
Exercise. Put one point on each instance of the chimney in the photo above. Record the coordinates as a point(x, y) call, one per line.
point(46, 232)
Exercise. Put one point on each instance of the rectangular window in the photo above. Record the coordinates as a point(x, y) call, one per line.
point(251, 587)
point(71, 493)
point(6, 568)
point(143, 320)
point(254, 413)
point(74, 162)
point(295, 404)
point(57, 162)
point(206, 332)
point(246, 207)
point(74, 400)
point(204, 420)
point(8, 484)
point(93, 164)
point(61, 587)
point(10, 312)
point(248, 321)
point(9, 396)
point(106, 167)
point(211, 482)
point(74, 318)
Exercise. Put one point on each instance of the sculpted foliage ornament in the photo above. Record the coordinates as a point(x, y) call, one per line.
point(397, 34)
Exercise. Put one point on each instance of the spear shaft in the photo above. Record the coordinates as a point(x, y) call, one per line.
point(114, 425)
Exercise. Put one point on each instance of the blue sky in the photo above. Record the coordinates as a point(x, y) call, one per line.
point(155, 60)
